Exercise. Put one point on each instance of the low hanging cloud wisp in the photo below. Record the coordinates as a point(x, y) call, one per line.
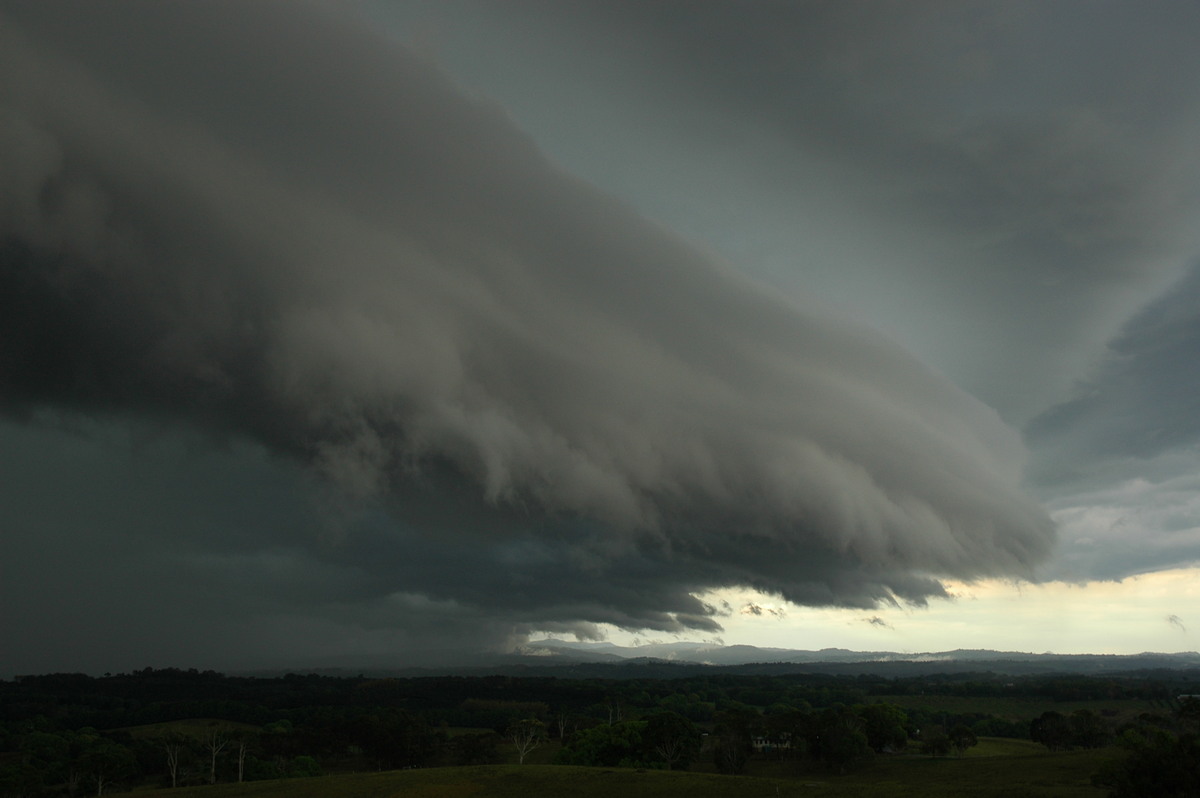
point(292, 231)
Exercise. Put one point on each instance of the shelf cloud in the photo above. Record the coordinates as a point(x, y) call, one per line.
point(520, 403)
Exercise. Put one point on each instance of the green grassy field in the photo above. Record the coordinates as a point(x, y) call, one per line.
point(996, 768)
point(1005, 746)
point(1037, 773)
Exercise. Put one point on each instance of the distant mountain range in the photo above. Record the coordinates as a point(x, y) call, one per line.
point(584, 660)
point(840, 660)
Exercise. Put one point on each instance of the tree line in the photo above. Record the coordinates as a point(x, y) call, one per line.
point(72, 734)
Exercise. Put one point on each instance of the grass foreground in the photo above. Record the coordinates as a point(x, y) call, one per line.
point(1064, 775)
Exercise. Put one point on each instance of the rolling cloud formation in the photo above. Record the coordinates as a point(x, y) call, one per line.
point(290, 232)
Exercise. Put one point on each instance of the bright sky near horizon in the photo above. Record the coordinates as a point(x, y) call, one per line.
point(367, 332)
point(1132, 616)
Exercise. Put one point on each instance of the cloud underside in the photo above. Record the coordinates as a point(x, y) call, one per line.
point(535, 407)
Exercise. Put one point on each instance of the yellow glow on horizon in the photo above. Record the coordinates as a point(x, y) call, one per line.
point(1157, 611)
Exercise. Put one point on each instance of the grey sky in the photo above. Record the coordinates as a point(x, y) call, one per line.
point(363, 330)
point(989, 160)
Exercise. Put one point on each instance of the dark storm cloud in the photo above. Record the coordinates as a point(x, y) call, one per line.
point(1028, 174)
point(1142, 400)
point(1045, 150)
point(757, 610)
point(1123, 519)
point(539, 410)
point(1118, 462)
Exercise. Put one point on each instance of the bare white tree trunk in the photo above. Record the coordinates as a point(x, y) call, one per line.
point(526, 735)
point(173, 750)
point(670, 750)
point(241, 752)
point(215, 743)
